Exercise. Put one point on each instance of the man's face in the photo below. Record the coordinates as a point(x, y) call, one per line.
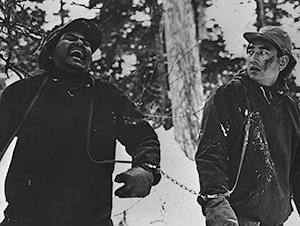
point(72, 53)
point(263, 63)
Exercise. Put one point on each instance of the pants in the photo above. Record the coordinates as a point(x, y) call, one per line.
point(247, 222)
point(17, 217)
point(14, 222)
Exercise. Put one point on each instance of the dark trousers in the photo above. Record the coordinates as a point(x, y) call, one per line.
point(17, 217)
point(247, 222)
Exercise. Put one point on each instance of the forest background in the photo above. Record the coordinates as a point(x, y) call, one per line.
point(167, 56)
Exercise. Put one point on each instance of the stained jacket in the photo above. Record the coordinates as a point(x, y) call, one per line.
point(270, 172)
point(53, 179)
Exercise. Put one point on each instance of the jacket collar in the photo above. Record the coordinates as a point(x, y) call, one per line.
point(271, 94)
point(68, 77)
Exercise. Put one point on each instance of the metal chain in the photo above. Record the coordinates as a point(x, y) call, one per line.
point(184, 187)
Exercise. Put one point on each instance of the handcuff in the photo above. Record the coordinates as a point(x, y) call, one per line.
point(154, 169)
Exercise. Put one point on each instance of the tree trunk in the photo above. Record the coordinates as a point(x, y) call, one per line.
point(260, 11)
point(184, 73)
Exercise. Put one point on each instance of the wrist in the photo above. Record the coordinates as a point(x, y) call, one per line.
point(154, 170)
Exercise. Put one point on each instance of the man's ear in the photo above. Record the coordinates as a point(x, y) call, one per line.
point(51, 53)
point(45, 57)
point(283, 62)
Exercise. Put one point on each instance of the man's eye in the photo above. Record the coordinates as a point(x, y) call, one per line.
point(250, 52)
point(70, 38)
point(264, 52)
point(86, 43)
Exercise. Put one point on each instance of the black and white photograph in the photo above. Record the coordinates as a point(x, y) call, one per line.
point(150, 112)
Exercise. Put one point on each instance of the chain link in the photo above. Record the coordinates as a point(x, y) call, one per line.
point(176, 182)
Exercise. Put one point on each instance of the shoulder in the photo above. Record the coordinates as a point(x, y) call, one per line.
point(293, 104)
point(229, 97)
point(106, 84)
point(25, 85)
point(230, 90)
point(291, 100)
point(110, 87)
point(21, 92)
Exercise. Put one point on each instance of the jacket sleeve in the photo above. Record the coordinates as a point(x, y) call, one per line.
point(12, 108)
point(4, 122)
point(295, 167)
point(212, 154)
point(295, 179)
point(14, 102)
point(136, 134)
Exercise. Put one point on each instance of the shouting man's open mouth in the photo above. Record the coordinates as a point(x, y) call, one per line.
point(77, 54)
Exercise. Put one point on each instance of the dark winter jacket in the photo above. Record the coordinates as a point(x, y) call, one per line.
point(52, 179)
point(270, 169)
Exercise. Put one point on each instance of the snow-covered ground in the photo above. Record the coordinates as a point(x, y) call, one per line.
point(168, 204)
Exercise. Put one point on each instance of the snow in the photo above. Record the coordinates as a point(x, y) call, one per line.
point(167, 204)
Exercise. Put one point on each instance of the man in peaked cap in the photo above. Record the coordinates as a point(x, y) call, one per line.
point(67, 124)
point(280, 40)
point(87, 28)
point(248, 154)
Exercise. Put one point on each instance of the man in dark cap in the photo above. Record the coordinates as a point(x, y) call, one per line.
point(67, 124)
point(248, 155)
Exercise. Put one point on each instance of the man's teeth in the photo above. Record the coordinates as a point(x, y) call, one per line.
point(76, 53)
point(254, 68)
